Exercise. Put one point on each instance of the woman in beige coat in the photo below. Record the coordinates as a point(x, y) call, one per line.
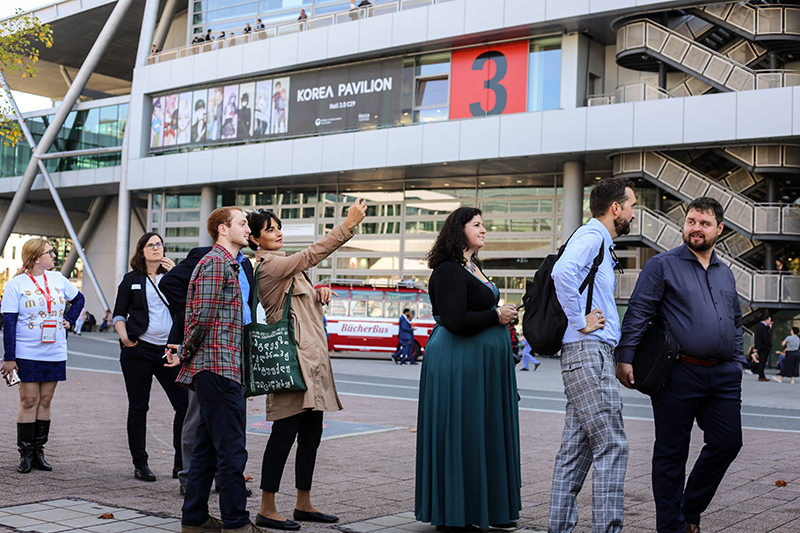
point(297, 414)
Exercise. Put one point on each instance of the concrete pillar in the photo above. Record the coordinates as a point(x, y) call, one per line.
point(96, 211)
point(165, 23)
point(572, 210)
point(659, 199)
point(574, 61)
point(124, 207)
point(772, 197)
point(662, 75)
point(208, 202)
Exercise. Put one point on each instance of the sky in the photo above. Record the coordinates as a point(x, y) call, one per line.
point(26, 102)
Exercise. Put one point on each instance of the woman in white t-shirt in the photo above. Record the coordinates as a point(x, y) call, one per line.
point(143, 320)
point(35, 342)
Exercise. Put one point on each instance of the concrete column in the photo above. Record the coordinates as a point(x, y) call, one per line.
point(208, 202)
point(574, 60)
point(165, 23)
point(124, 206)
point(659, 199)
point(572, 211)
point(662, 75)
point(96, 211)
point(772, 197)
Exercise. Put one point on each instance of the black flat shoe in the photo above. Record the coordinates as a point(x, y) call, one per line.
point(286, 525)
point(511, 526)
point(175, 471)
point(457, 529)
point(144, 473)
point(305, 516)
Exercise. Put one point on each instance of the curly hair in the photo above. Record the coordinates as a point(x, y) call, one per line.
point(452, 241)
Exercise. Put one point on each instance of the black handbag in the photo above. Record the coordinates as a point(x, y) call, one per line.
point(653, 358)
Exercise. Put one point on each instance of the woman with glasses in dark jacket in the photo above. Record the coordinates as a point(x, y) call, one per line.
point(143, 320)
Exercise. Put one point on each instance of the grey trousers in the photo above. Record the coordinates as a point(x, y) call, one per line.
point(188, 433)
point(593, 436)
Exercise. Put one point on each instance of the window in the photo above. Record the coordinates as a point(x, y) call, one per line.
point(432, 87)
point(544, 74)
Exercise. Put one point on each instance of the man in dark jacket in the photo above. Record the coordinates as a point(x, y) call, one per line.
point(763, 343)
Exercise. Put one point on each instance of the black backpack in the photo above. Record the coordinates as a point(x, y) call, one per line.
point(544, 321)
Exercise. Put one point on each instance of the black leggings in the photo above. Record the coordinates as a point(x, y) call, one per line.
point(307, 427)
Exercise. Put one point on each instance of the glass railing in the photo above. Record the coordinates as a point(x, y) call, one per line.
point(291, 27)
point(745, 215)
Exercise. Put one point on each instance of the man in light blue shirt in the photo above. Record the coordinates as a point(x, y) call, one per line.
point(593, 428)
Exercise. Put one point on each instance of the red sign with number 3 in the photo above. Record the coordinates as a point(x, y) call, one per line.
point(489, 80)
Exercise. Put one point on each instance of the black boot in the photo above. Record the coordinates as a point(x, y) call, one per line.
point(40, 439)
point(25, 433)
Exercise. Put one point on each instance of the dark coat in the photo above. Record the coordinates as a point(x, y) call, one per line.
point(763, 337)
point(131, 303)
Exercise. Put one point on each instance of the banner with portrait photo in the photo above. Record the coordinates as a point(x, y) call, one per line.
point(214, 111)
point(157, 122)
point(244, 128)
point(262, 109)
point(170, 119)
point(199, 124)
point(184, 118)
point(230, 112)
point(280, 105)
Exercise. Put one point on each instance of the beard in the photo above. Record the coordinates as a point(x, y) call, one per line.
point(706, 244)
point(622, 226)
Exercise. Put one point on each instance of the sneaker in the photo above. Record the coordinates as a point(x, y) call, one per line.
point(536, 367)
point(748, 371)
point(523, 370)
point(212, 525)
point(777, 379)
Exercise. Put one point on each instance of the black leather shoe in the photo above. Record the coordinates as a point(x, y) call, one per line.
point(144, 473)
point(286, 525)
point(457, 529)
point(305, 516)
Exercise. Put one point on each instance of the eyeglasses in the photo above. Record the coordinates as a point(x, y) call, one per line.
point(51, 253)
point(154, 245)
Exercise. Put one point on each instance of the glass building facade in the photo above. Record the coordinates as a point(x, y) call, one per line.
point(84, 129)
point(523, 223)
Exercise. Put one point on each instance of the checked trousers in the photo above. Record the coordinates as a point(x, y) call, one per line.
point(593, 436)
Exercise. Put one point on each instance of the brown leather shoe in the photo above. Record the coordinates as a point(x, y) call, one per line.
point(692, 528)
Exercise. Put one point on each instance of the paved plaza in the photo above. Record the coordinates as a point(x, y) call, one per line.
point(365, 468)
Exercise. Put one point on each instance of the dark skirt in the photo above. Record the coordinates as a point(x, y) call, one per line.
point(468, 457)
point(791, 365)
point(31, 371)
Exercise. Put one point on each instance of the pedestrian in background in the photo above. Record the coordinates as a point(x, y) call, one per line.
point(35, 344)
point(695, 295)
point(527, 356)
point(762, 338)
point(791, 361)
point(468, 462)
point(594, 434)
point(143, 321)
point(297, 415)
point(405, 339)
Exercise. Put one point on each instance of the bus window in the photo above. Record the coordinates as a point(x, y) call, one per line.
point(338, 307)
point(358, 308)
point(397, 301)
point(367, 295)
point(374, 309)
point(425, 309)
point(393, 309)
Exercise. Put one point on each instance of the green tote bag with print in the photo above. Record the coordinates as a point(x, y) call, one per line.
point(270, 354)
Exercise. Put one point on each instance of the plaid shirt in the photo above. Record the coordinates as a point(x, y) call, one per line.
point(214, 324)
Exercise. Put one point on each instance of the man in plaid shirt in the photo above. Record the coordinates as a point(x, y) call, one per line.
point(216, 313)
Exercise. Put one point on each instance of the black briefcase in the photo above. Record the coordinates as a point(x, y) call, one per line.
point(653, 358)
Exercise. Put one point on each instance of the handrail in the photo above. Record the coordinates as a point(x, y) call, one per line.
point(290, 27)
point(678, 49)
point(758, 21)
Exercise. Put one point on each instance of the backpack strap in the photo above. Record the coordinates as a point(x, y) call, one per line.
point(589, 280)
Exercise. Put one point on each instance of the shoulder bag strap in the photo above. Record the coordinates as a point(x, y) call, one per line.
point(288, 305)
point(589, 281)
point(153, 283)
point(254, 299)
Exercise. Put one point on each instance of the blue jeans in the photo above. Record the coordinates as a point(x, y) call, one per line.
point(220, 442)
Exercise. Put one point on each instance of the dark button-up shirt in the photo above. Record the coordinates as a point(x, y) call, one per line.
point(699, 305)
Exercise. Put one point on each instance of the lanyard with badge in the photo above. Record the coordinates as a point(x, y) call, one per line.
point(49, 327)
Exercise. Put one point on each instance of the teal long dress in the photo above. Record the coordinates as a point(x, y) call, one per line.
point(468, 460)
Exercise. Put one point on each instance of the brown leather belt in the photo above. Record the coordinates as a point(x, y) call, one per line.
point(696, 361)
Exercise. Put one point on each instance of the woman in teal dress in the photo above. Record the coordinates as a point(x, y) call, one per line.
point(468, 462)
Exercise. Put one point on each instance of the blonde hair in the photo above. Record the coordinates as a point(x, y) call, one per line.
point(31, 251)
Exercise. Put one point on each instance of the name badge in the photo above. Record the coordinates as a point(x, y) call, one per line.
point(49, 329)
point(136, 286)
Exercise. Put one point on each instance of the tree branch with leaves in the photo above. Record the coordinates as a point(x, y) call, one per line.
point(21, 38)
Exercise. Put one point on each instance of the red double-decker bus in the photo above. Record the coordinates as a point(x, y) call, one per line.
point(364, 316)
